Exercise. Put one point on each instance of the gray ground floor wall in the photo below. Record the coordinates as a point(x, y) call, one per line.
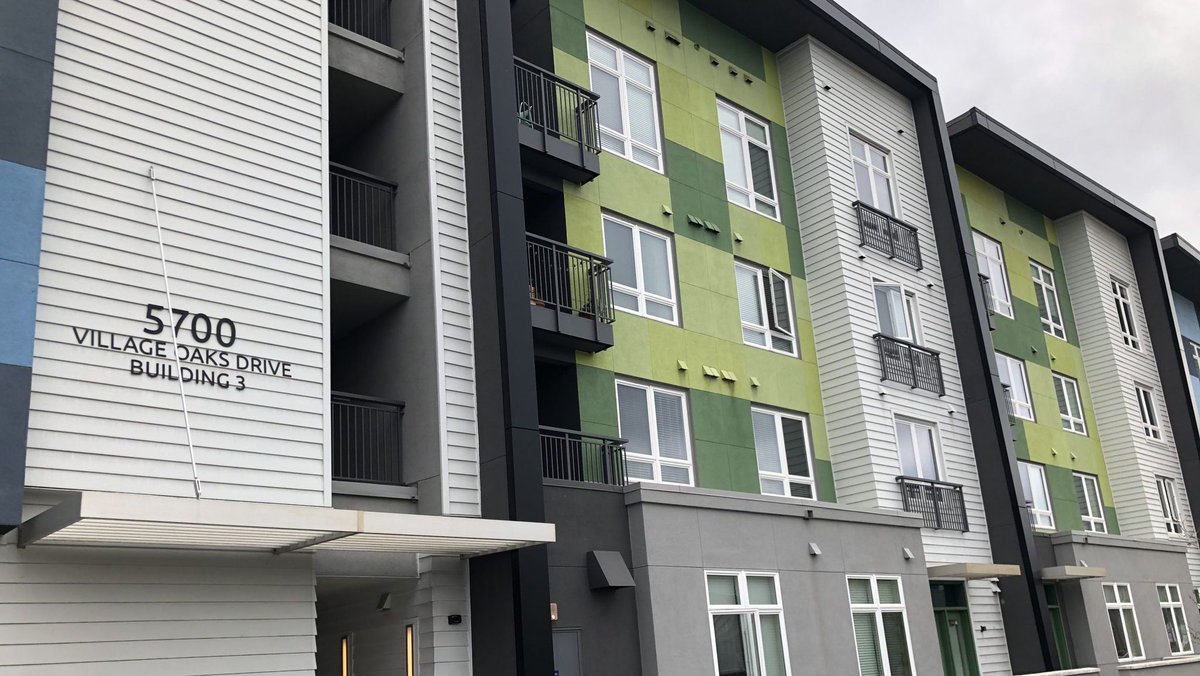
point(1142, 564)
point(671, 537)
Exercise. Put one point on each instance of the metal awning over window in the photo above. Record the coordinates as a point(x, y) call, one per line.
point(126, 520)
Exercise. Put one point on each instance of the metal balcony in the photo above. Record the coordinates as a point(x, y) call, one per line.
point(939, 503)
point(366, 439)
point(910, 364)
point(985, 283)
point(362, 207)
point(570, 455)
point(883, 233)
point(557, 124)
point(570, 295)
point(371, 19)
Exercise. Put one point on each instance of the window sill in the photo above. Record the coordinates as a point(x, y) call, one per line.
point(660, 320)
point(1141, 663)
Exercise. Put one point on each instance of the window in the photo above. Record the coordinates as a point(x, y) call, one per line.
point(1123, 620)
point(990, 256)
point(1016, 386)
point(1123, 299)
point(1171, 604)
point(880, 626)
point(347, 655)
point(1058, 624)
point(1149, 409)
point(872, 175)
point(1070, 404)
point(654, 421)
point(747, 624)
point(1087, 493)
point(643, 271)
point(1170, 505)
point(1196, 354)
point(784, 456)
point(410, 650)
point(628, 106)
point(1037, 495)
point(896, 308)
point(746, 151)
point(765, 304)
point(918, 446)
point(1047, 298)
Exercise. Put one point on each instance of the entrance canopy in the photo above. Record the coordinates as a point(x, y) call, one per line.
point(126, 520)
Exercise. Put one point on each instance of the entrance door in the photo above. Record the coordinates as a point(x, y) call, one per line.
point(955, 636)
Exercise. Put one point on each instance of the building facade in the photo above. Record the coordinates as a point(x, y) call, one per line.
point(216, 457)
point(1073, 286)
point(1183, 266)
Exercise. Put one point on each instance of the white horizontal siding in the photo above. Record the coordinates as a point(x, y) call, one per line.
point(226, 101)
point(66, 611)
point(859, 408)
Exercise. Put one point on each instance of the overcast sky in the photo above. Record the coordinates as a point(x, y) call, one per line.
point(1111, 87)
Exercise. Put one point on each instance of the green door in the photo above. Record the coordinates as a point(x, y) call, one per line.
point(955, 637)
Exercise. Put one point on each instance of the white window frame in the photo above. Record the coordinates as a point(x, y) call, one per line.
point(912, 310)
point(1093, 522)
point(872, 200)
point(655, 459)
point(1196, 355)
point(785, 476)
point(1120, 605)
point(915, 423)
point(1047, 290)
point(623, 84)
point(1073, 420)
point(765, 290)
point(755, 610)
point(1148, 408)
point(1170, 602)
point(1168, 499)
point(1022, 408)
point(641, 294)
point(1122, 294)
point(753, 197)
point(1002, 306)
point(1042, 519)
point(878, 609)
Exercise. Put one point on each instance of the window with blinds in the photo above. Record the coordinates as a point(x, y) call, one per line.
point(880, 626)
point(746, 616)
point(1046, 291)
point(746, 154)
point(781, 442)
point(654, 421)
point(1091, 508)
point(765, 306)
point(1070, 404)
point(628, 105)
point(643, 269)
point(989, 256)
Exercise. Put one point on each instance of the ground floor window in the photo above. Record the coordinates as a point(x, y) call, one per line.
point(746, 617)
point(880, 626)
point(1122, 617)
point(1171, 603)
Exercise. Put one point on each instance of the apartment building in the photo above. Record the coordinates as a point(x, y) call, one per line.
point(727, 251)
point(1183, 269)
point(1102, 426)
point(238, 428)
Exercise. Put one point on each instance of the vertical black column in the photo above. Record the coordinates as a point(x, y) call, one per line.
point(27, 31)
point(510, 595)
point(1026, 616)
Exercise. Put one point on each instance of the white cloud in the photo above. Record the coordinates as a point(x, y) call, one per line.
point(1111, 87)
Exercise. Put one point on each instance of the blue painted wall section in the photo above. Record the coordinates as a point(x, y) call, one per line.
point(27, 30)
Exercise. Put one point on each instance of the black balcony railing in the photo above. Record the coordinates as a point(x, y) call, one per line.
point(913, 365)
point(371, 19)
point(985, 283)
point(570, 280)
point(366, 439)
point(588, 458)
point(884, 233)
point(940, 503)
point(362, 207)
point(556, 107)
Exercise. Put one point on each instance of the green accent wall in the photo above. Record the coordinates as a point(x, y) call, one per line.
point(1025, 235)
point(693, 185)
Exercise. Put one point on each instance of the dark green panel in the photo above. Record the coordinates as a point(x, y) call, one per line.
point(1025, 216)
point(569, 33)
point(597, 400)
point(724, 439)
point(1062, 498)
point(698, 190)
point(795, 251)
point(1022, 337)
point(1110, 516)
point(1064, 296)
point(570, 7)
point(783, 176)
point(823, 473)
point(1020, 441)
point(722, 40)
